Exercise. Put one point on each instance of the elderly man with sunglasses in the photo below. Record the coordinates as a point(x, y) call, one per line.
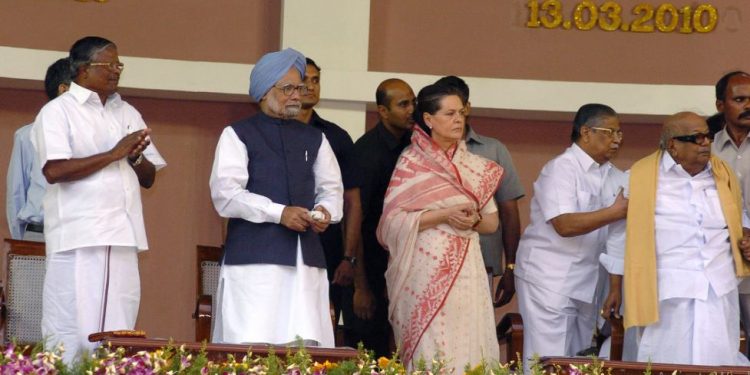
point(685, 243)
point(278, 182)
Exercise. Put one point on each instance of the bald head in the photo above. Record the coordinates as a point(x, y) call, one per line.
point(675, 125)
point(395, 100)
point(382, 96)
point(685, 137)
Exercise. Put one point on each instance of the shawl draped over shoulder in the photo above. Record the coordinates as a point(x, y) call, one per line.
point(423, 266)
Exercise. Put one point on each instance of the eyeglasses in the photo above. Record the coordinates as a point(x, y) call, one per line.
point(612, 133)
point(289, 88)
point(110, 65)
point(698, 138)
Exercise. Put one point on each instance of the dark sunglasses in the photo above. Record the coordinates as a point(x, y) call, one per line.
point(698, 138)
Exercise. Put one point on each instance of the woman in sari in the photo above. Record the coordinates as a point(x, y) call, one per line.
point(438, 201)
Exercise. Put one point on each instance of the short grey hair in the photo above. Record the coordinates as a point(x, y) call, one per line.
point(667, 132)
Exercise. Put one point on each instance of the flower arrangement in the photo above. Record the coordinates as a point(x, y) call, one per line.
point(176, 360)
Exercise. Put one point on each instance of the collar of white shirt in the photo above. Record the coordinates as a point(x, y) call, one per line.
point(669, 164)
point(82, 95)
point(587, 163)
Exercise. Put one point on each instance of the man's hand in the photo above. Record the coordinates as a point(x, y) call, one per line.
point(611, 306)
point(364, 303)
point(320, 225)
point(745, 244)
point(506, 288)
point(132, 144)
point(296, 218)
point(344, 274)
point(620, 205)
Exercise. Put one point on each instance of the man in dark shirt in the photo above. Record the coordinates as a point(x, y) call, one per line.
point(376, 153)
point(340, 250)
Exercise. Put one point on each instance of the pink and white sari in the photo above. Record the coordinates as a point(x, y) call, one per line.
point(437, 286)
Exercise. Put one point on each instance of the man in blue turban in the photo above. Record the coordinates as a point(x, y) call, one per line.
point(278, 182)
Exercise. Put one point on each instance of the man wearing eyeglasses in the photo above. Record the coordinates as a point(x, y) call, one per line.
point(557, 265)
point(96, 154)
point(731, 144)
point(685, 243)
point(278, 182)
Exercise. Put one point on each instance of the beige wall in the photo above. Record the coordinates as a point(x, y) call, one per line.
point(490, 39)
point(235, 31)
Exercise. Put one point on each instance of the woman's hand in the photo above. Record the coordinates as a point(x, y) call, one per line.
point(462, 216)
point(457, 216)
point(463, 220)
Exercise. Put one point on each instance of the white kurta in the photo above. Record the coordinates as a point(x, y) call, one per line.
point(103, 208)
point(262, 303)
point(697, 288)
point(556, 277)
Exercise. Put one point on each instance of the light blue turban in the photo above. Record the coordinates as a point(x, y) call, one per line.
point(271, 68)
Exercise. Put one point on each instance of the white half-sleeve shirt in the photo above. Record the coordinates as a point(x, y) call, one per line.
point(103, 208)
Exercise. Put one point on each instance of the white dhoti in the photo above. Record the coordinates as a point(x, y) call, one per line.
point(89, 290)
point(694, 331)
point(265, 303)
point(554, 325)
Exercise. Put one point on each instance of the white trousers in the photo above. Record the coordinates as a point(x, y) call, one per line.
point(745, 314)
point(89, 290)
point(692, 331)
point(264, 303)
point(553, 324)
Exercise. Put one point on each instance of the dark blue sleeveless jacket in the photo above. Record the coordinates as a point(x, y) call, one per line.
point(281, 155)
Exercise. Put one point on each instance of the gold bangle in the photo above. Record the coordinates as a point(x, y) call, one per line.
point(510, 266)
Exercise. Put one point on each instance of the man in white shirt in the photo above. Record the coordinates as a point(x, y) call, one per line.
point(96, 154)
point(683, 250)
point(278, 182)
point(557, 261)
point(25, 183)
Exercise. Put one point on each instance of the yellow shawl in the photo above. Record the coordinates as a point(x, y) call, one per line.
point(641, 296)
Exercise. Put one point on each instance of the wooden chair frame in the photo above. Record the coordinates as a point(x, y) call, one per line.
point(10, 248)
point(203, 313)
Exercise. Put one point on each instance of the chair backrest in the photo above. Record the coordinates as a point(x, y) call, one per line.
point(209, 264)
point(24, 264)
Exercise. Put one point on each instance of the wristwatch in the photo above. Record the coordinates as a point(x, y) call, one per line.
point(352, 260)
point(510, 266)
point(137, 161)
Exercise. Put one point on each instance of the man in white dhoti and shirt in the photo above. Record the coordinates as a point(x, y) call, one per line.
point(685, 245)
point(96, 154)
point(278, 182)
point(575, 197)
